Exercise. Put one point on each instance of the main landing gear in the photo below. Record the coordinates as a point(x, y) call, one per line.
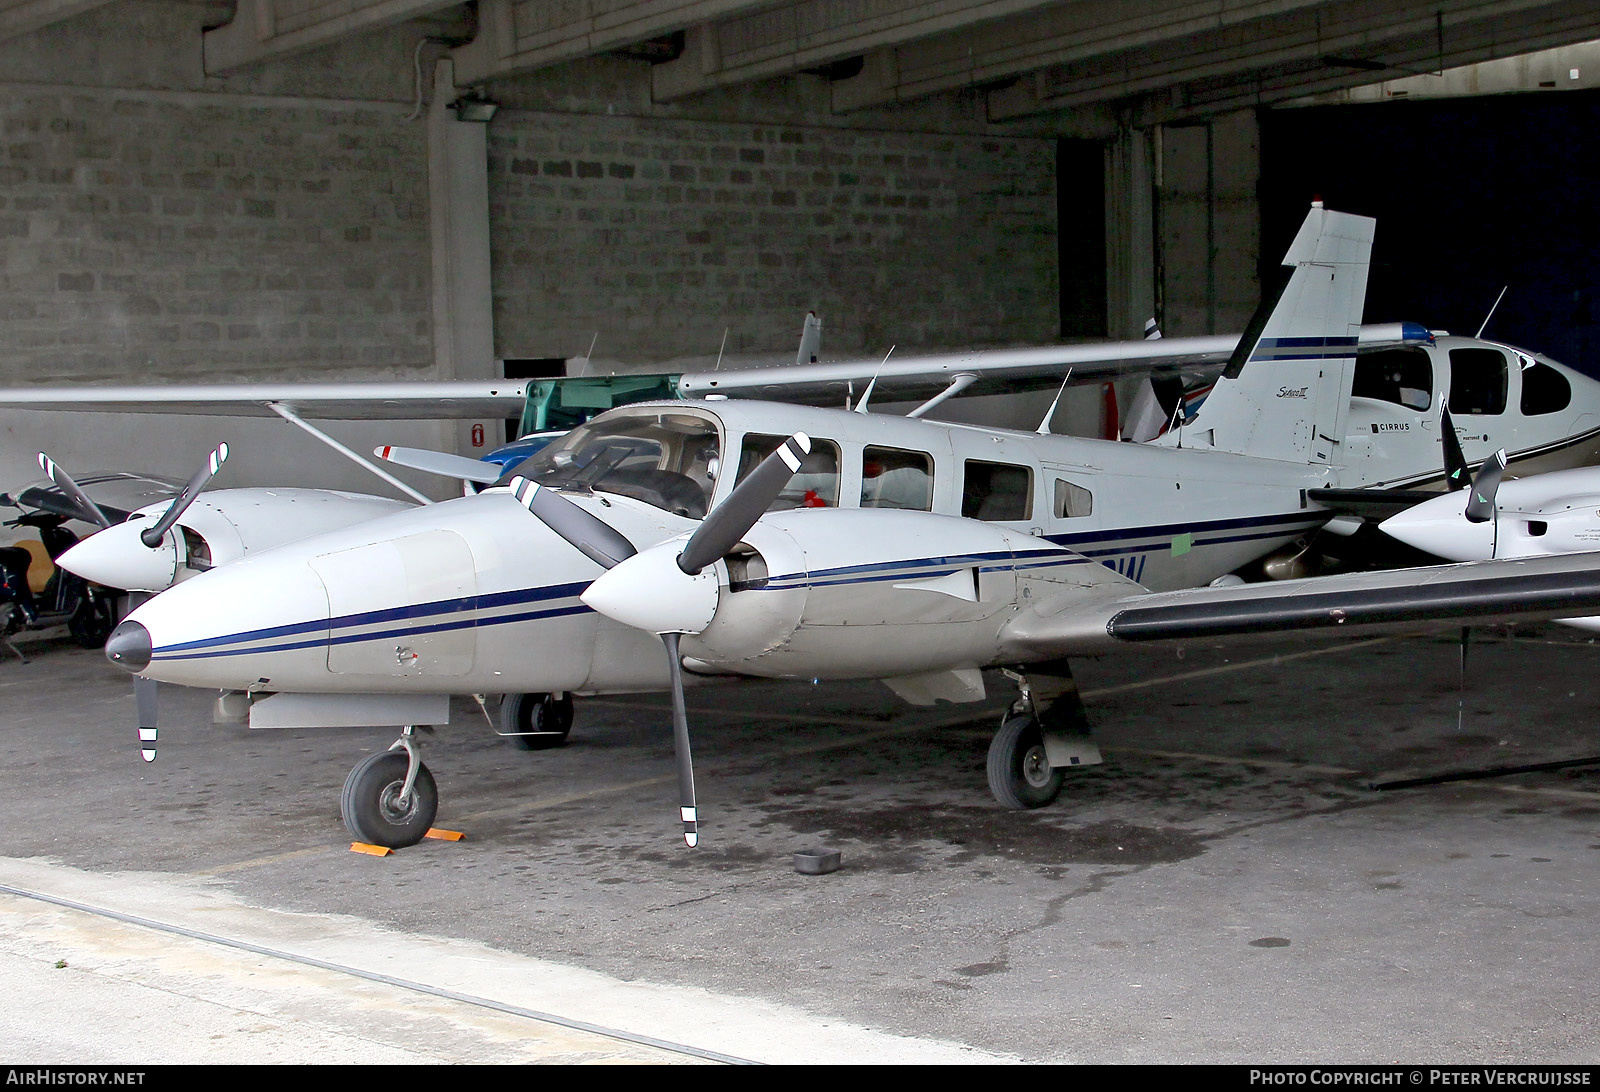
point(535, 722)
point(390, 799)
point(1045, 732)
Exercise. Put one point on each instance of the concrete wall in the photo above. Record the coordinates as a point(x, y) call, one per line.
point(162, 225)
point(660, 233)
point(162, 236)
point(1209, 221)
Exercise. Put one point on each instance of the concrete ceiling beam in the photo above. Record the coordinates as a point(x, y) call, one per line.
point(516, 36)
point(1464, 45)
point(263, 30)
point(1081, 57)
point(1054, 33)
point(1294, 49)
point(19, 17)
point(813, 34)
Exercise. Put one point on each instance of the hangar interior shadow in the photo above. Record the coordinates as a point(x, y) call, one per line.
point(1471, 195)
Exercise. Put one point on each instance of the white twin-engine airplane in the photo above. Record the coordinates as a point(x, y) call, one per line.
point(860, 546)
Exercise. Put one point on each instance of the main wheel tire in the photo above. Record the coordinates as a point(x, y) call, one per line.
point(1020, 775)
point(371, 804)
point(92, 622)
point(521, 713)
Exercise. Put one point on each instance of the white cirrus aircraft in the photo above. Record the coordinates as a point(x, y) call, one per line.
point(742, 538)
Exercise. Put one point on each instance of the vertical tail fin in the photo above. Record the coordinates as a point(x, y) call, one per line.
point(810, 340)
point(1286, 391)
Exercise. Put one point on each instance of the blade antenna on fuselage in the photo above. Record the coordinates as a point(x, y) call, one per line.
point(1044, 426)
point(866, 395)
point(1490, 315)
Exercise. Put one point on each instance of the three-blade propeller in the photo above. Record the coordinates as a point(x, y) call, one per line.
point(665, 589)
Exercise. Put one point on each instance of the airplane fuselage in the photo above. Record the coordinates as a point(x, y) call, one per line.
point(1545, 415)
point(905, 548)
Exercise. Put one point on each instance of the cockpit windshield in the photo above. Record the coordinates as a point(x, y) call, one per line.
point(669, 460)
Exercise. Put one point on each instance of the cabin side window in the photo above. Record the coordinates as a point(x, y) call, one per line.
point(668, 460)
point(1072, 501)
point(1401, 376)
point(996, 492)
point(815, 484)
point(1478, 380)
point(893, 478)
point(1544, 390)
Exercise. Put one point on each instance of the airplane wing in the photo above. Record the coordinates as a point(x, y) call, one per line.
point(997, 371)
point(1353, 604)
point(398, 400)
point(1371, 504)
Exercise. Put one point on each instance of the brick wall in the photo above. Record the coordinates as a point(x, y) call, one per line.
point(173, 236)
point(659, 233)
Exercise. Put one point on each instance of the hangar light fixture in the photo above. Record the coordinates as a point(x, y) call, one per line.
point(475, 106)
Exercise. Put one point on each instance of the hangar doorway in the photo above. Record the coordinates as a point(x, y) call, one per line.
point(1471, 195)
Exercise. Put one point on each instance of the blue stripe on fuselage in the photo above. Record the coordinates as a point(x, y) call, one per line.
point(1084, 546)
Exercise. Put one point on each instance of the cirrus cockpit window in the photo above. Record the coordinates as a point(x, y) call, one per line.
point(669, 460)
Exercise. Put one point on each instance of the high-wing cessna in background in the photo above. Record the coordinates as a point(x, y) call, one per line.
point(862, 546)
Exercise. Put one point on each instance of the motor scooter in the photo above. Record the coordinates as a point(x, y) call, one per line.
point(87, 610)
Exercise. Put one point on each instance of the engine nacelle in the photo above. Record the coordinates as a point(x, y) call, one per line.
point(866, 593)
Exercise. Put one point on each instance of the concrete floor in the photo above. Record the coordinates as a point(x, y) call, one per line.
point(1226, 888)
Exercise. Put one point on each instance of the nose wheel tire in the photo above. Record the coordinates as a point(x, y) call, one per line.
point(1020, 775)
point(371, 804)
point(549, 717)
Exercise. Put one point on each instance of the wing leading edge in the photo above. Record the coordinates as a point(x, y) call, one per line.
point(391, 400)
point(999, 370)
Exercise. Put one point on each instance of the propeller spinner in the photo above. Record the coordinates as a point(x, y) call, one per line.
point(667, 590)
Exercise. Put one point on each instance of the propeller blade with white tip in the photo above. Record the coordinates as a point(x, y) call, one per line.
point(91, 511)
point(680, 745)
point(594, 537)
point(144, 702)
point(151, 536)
point(731, 520)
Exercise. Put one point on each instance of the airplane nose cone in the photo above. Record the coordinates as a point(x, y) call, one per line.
point(129, 647)
point(116, 558)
